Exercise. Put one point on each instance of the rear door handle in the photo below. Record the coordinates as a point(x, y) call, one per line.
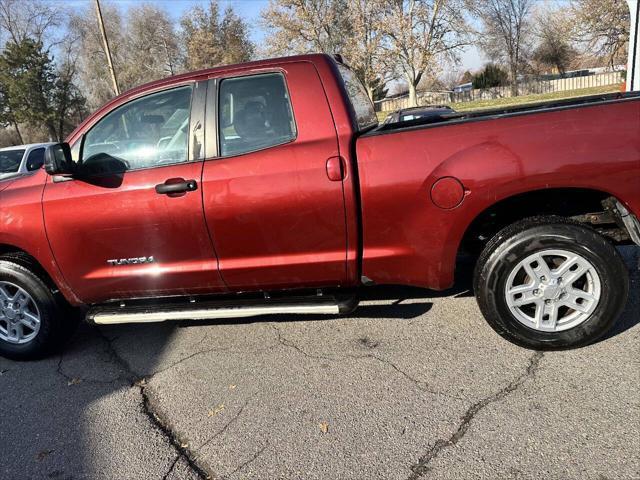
point(176, 186)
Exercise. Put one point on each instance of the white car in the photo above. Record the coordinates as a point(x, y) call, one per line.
point(21, 159)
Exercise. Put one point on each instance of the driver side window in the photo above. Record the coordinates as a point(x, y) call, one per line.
point(148, 132)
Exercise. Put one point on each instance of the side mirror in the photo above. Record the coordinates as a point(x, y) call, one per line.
point(57, 159)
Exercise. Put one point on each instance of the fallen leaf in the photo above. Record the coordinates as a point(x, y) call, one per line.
point(74, 381)
point(232, 387)
point(141, 383)
point(43, 454)
point(215, 411)
point(324, 427)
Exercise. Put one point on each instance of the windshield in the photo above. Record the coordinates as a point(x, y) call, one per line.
point(10, 161)
point(362, 104)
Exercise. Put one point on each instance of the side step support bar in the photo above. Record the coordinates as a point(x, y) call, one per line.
point(327, 305)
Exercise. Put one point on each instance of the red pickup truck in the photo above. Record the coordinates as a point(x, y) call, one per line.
point(269, 187)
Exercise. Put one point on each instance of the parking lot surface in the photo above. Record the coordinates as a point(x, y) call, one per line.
point(413, 385)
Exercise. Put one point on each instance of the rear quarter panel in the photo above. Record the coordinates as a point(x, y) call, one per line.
point(408, 240)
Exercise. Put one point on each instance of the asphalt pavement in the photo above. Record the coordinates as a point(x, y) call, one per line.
point(413, 385)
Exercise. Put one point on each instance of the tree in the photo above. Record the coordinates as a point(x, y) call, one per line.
point(379, 89)
point(7, 115)
point(94, 73)
point(33, 92)
point(69, 104)
point(419, 35)
point(27, 79)
point(39, 97)
point(490, 76)
point(506, 33)
point(145, 47)
point(306, 26)
point(211, 39)
point(602, 27)
point(346, 27)
point(22, 19)
point(153, 43)
point(553, 30)
point(363, 44)
point(466, 77)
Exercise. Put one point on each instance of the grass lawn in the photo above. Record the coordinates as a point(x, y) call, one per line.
point(524, 99)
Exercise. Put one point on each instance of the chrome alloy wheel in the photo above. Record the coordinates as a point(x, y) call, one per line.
point(553, 290)
point(19, 315)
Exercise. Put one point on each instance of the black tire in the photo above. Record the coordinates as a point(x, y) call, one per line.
point(56, 320)
point(515, 243)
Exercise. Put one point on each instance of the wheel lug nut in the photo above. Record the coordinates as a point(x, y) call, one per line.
point(548, 302)
point(536, 292)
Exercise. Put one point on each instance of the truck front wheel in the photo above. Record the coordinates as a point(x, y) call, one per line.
point(31, 318)
point(549, 283)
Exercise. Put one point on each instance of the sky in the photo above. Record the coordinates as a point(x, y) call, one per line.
point(249, 10)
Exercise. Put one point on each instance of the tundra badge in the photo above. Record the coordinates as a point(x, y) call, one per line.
point(130, 261)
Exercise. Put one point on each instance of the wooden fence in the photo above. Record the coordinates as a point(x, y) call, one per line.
point(526, 87)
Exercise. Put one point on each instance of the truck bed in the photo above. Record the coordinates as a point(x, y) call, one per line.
point(489, 114)
point(590, 143)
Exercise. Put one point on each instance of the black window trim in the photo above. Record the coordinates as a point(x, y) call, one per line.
point(190, 83)
point(213, 102)
point(345, 92)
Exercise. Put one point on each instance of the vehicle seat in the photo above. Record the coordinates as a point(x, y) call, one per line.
point(251, 123)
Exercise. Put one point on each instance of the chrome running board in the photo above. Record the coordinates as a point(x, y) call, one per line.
point(111, 315)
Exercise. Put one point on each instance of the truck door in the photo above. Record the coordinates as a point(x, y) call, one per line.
point(276, 217)
point(131, 224)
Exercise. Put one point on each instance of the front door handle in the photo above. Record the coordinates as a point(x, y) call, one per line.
point(176, 186)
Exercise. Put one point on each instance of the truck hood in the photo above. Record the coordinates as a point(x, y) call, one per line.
point(8, 180)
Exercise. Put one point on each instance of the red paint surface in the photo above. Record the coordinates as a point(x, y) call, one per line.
point(447, 193)
point(89, 224)
point(274, 219)
point(408, 240)
point(335, 169)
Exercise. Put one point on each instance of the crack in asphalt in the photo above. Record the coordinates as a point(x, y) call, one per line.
point(161, 424)
point(225, 427)
point(423, 466)
point(202, 471)
point(71, 380)
point(154, 416)
point(419, 384)
point(424, 386)
point(287, 343)
point(251, 460)
point(172, 466)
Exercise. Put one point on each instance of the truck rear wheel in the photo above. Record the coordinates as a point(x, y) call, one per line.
point(31, 320)
point(550, 283)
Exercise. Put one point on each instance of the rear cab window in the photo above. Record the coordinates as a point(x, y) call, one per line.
point(254, 113)
point(365, 114)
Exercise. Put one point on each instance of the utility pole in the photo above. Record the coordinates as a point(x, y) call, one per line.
point(107, 50)
point(633, 69)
